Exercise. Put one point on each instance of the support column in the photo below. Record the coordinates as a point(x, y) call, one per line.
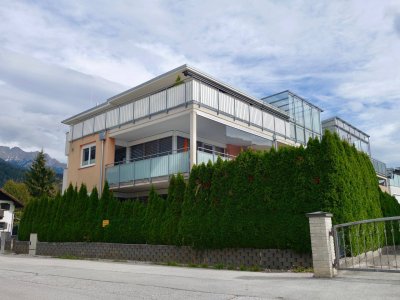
point(128, 153)
point(174, 142)
point(193, 138)
point(323, 251)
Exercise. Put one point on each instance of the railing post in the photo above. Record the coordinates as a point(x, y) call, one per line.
point(322, 245)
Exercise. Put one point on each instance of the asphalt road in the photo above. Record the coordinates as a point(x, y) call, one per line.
point(23, 277)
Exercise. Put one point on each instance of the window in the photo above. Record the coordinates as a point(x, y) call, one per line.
point(3, 225)
point(88, 155)
point(151, 149)
point(183, 144)
point(5, 206)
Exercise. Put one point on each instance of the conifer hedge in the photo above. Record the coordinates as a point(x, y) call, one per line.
point(258, 200)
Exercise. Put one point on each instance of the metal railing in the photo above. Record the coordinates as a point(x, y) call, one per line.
point(380, 167)
point(368, 245)
point(190, 92)
point(205, 155)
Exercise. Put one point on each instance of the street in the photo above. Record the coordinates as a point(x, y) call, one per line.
point(24, 277)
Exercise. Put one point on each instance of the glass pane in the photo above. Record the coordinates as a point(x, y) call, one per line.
point(316, 120)
point(300, 134)
point(183, 144)
point(165, 145)
point(208, 148)
point(137, 151)
point(299, 111)
point(5, 206)
point(307, 116)
point(85, 157)
point(151, 148)
point(93, 154)
point(219, 149)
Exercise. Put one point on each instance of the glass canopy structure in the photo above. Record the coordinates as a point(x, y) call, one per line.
point(304, 117)
point(348, 133)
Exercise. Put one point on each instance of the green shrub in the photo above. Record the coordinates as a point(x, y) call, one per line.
point(258, 200)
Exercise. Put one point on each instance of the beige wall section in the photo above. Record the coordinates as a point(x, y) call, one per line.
point(89, 175)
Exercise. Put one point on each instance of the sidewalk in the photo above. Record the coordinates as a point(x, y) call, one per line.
point(26, 277)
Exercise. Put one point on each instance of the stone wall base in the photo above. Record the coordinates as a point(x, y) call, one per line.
point(264, 258)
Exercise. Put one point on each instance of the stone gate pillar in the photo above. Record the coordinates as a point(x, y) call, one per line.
point(323, 251)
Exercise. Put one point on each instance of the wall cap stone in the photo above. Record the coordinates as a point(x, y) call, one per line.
point(319, 214)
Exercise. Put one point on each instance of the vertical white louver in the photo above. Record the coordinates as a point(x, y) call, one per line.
point(288, 130)
point(99, 122)
point(268, 120)
point(112, 118)
point(242, 110)
point(158, 102)
point(256, 116)
point(126, 113)
point(141, 108)
point(71, 130)
point(280, 126)
point(67, 142)
point(77, 132)
point(226, 103)
point(176, 95)
point(208, 96)
point(88, 126)
point(195, 91)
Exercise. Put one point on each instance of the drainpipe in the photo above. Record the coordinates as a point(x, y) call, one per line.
point(102, 137)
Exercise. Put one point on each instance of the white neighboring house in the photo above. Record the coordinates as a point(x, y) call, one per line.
point(8, 204)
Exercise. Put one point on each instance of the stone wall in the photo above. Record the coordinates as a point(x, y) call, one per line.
point(20, 247)
point(264, 258)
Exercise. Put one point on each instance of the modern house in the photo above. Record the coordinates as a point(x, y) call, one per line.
point(168, 124)
point(184, 117)
point(8, 204)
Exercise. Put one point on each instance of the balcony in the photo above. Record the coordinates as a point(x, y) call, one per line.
point(380, 167)
point(157, 167)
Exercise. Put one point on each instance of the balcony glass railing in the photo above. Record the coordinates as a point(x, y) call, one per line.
point(162, 164)
point(205, 155)
point(149, 167)
point(380, 167)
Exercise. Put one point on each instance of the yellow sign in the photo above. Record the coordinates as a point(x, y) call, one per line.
point(106, 223)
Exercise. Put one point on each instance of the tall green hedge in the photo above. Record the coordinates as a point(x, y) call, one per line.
point(258, 200)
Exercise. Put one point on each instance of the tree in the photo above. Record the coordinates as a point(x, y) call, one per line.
point(18, 189)
point(40, 179)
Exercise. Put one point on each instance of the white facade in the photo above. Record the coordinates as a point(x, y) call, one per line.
point(8, 204)
point(6, 223)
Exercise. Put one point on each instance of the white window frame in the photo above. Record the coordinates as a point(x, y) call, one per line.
point(89, 146)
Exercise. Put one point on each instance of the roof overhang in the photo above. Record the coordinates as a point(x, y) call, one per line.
point(8, 197)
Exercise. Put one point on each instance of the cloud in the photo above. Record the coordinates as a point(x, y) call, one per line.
point(396, 23)
point(66, 56)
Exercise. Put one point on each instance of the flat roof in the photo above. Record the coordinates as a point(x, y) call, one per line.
point(123, 97)
point(296, 95)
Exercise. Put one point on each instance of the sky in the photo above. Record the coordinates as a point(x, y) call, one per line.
point(58, 58)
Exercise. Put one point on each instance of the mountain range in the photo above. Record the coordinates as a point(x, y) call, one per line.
point(9, 171)
point(21, 159)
